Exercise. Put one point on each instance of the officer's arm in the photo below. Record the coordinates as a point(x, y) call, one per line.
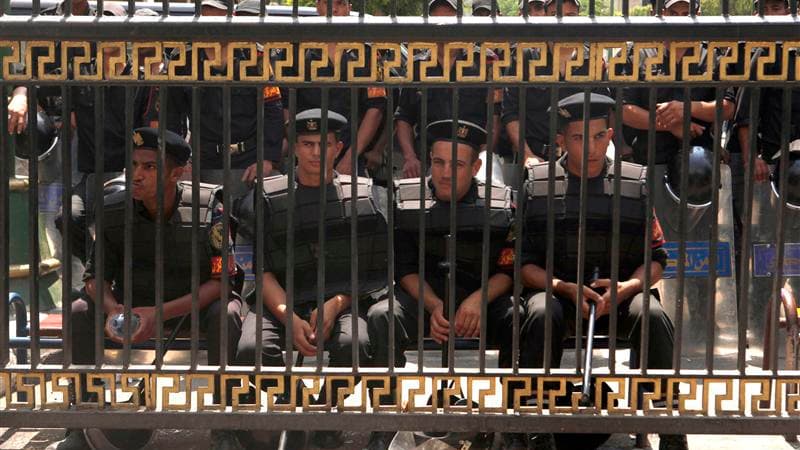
point(498, 284)
point(512, 128)
point(706, 111)
point(535, 277)
point(405, 137)
point(410, 283)
point(274, 297)
point(109, 301)
point(636, 117)
point(635, 284)
point(368, 128)
point(206, 294)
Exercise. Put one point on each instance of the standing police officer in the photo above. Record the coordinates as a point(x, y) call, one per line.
point(244, 104)
point(470, 202)
point(566, 283)
point(337, 317)
point(177, 254)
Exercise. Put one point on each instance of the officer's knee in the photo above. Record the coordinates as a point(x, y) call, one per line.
point(378, 314)
point(79, 306)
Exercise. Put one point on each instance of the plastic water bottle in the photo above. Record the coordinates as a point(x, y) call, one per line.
point(118, 324)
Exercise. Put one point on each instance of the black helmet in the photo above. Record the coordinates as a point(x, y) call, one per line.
point(117, 439)
point(792, 180)
point(699, 173)
point(46, 138)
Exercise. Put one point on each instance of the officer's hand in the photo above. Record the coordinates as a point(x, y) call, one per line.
point(345, 164)
point(669, 113)
point(468, 317)
point(411, 167)
point(761, 170)
point(570, 291)
point(440, 327)
point(250, 173)
point(302, 335)
point(147, 321)
point(109, 331)
point(532, 160)
point(604, 306)
point(330, 312)
point(18, 114)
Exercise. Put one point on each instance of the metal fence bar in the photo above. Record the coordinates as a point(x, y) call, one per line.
point(644, 347)
point(66, 225)
point(5, 175)
point(198, 7)
point(99, 221)
point(33, 225)
point(194, 319)
point(580, 276)
point(390, 230)
point(551, 229)
point(520, 187)
point(616, 220)
point(159, 244)
point(165, 8)
point(127, 268)
point(258, 244)
point(354, 291)
point(485, 241)
point(423, 140)
point(746, 238)
point(451, 239)
point(682, 227)
point(323, 203)
point(291, 175)
point(226, 250)
point(713, 256)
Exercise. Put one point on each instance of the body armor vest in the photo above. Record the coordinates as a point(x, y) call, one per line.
point(470, 220)
point(371, 244)
point(599, 219)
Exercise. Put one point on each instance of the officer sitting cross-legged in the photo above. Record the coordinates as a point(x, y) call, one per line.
point(470, 202)
point(335, 334)
point(177, 263)
point(598, 248)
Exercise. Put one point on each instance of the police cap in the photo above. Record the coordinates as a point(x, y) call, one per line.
point(570, 109)
point(549, 2)
point(478, 5)
point(669, 3)
point(466, 133)
point(310, 121)
point(249, 7)
point(218, 4)
point(174, 145)
point(522, 3)
point(451, 3)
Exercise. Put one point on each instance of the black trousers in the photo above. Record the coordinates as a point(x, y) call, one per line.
point(630, 315)
point(406, 316)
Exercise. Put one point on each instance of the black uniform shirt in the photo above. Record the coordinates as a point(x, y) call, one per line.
point(537, 100)
point(770, 109)
point(177, 253)
point(667, 145)
point(338, 98)
point(471, 100)
point(244, 102)
point(407, 255)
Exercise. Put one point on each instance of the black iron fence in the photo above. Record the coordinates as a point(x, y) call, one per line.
point(734, 354)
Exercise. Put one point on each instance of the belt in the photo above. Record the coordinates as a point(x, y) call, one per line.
point(236, 148)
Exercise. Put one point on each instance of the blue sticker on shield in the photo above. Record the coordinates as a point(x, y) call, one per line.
point(765, 259)
point(697, 259)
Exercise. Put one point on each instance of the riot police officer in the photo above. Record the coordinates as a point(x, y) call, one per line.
point(177, 254)
point(244, 104)
point(335, 334)
point(470, 203)
point(566, 283)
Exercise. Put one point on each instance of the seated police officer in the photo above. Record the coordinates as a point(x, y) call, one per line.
point(598, 250)
point(470, 202)
point(335, 335)
point(177, 254)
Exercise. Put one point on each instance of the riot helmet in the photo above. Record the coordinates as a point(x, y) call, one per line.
point(699, 175)
point(792, 177)
point(46, 138)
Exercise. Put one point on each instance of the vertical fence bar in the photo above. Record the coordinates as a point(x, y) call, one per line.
point(5, 174)
point(746, 237)
point(194, 318)
point(127, 269)
point(423, 140)
point(290, 173)
point(713, 257)
point(262, 8)
point(323, 203)
point(36, 9)
point(615, 227)
point(258, 243)
point(159, 266)
point(165, 8)
point(295, 11)
point(682, 226)
point(451, 240)
point(486, 240)
point(131, 10)
point(390, 226)
point(66, 225)
point(226, 223)
point(99, 7)
point(726, 8)
point(780, 230)
point(551, 232)
point(580, 278)
point(644, 347)
point(33, 225)
point(520, 171)
point(198, 8)
point(99, 220)
point(354, 294)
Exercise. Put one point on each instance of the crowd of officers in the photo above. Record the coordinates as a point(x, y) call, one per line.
point(323, 188)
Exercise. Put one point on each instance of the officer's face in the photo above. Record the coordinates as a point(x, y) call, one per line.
point(680, 9)
point(482, 12)
point(774, 8)
point(442, 10)
point(340, 8)
point(145, 176)
point(570, 9)
point(536, 9)
point(211, 11)
point(467, 166)
point(308, 151)
point(570, 139)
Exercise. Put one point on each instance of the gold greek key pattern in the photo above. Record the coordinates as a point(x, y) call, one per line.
point(432, 394)
point(271, 62)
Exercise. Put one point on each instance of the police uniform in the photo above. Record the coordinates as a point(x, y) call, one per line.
point(244, 104)
point(371, 223)
point(537, 98)
point(177, 254)
point(471, 217)
point(597, 252)
point(339, 99)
